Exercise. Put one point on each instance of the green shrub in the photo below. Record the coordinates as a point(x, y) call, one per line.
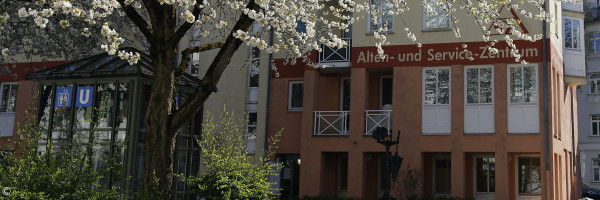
point(229, 172)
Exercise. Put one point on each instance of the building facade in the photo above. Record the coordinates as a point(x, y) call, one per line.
point(589, 102)
point(487, 128)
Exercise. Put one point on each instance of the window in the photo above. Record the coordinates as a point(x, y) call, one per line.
point(594, 80)
point(485, 173)
point(9, 97)
point(386, 91)
point(442, 174)
point(529, 176)
point(596, 125)
point(300, 26)
point(479, 85)
point(195, 64)
point(571, 35)
point(595, 42)
point(380, 18)
point(523, 86)
point(296, 91)
point(254, 67)
point(437, 86)
point(596, 168)
point(251, 125)
point(435, 15)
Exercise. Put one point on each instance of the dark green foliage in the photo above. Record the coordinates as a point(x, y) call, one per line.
point(227, 171)
point(62, 171)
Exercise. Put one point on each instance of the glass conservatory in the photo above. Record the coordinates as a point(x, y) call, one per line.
point(103, 100)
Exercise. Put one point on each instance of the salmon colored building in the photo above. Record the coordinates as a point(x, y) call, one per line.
point(488, 128)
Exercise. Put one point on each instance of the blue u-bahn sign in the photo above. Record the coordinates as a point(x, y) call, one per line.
point(84, 96)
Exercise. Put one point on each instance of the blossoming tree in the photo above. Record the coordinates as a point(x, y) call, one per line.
point(58, 28)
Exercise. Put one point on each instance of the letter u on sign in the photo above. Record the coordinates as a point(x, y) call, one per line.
point(84, 96)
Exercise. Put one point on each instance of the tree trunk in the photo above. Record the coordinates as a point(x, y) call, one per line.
point(159, 147)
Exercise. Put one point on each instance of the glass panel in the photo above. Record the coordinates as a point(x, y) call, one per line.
point(194, 167)
point(181, 167)
point(529, 85)
point(12, 97)
point(576, 34)
point(437, 16)
point(485, 84)
point(105, 102)
point(297, 93)
point(343, 173)
point(516, 85)
point(595, 117)
point(62, 117)
point(430, 86)
point(256, 51)
point(83, 115)
point(45, 103)
point(5, 98)
point(346, 94)
point(593, 87)
point(597, 45)
point(137, 180)
point(472, 86)
point(481, 174)
point(253, 80)
point(119, 154)
point(102, 136)
point(594, 128)
point(492, 180)
point(529, 176)
point(122, 105)
point(444, 84)
point(81, 137)
point(386, 91)
point(596, 174)
point(568, 35)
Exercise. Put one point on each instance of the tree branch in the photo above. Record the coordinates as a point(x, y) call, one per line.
point(208, 84)
point(137, 19)
point(186, 26)
point(186, 56)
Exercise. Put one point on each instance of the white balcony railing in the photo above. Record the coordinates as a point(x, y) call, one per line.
point(336, 57)
point(331, 123)
point(377, 118)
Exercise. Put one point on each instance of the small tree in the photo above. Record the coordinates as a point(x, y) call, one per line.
point(227, 171)
point(408, 182)
point(54, 171)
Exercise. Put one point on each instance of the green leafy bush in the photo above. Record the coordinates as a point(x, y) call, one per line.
point(228, 172)
point(62, 171)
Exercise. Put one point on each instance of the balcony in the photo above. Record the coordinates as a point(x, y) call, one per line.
point(335, 57)
point(377, 118)
point(331, 123)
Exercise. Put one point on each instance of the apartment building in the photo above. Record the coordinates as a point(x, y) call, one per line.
point(589, 102)
point(488, 128)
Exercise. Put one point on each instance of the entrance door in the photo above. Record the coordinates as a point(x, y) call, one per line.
point(290, 176)
point(529, 178)
point(441, 174)
point(485, 177)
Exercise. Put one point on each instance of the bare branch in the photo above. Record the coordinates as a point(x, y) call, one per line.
point(208, 84)
point(137, 19)
point(186, 56)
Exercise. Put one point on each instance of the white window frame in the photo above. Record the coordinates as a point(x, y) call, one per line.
point(594, 168)
point(592, 125)
point(437, 86)
point(478, 84)
point(11, 84)
point(425, 28)
point(517, 175)
point(381, 89)
point(594, 37)
point(537, 88)
point(390, 28)
point(578, 37)
point(290, 93)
